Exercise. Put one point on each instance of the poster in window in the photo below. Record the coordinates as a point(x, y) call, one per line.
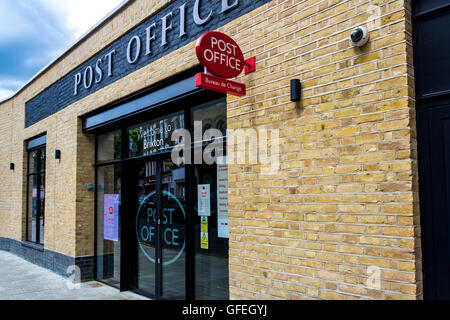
point(222, 198)
point(204, 200)
point(111, 217)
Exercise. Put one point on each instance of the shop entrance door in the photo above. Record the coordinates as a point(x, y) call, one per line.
point(159, 263)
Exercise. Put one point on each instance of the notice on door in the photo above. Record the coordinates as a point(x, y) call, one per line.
point(204, 200)
point(111, 217)
point(204, 236)
point(222, 198)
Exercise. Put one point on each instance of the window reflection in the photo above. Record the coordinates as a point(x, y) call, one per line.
point(154, 136)
point(35, 225)
point(109, 224)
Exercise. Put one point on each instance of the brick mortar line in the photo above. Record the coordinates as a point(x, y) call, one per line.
point(323, 94)
point(334, 282)
point(327, 37)
point(300, 144)
point(343, 264)
point(337, 70)
point(395, 22)
point(329, 44)
point(371, 246)
point(312, 105)
point(337, 23)
point(331, 281)
point(340, 233)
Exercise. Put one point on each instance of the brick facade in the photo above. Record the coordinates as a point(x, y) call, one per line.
point(346, 196)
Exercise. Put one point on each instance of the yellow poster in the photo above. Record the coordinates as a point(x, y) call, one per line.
point(204, 243)
point(204, 224)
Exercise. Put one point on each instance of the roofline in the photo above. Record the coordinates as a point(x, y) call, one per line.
point(70, 48)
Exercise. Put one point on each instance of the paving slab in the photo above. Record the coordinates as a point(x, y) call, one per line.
point(22, 280)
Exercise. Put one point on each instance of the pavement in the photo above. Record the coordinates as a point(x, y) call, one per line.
point(22, 280)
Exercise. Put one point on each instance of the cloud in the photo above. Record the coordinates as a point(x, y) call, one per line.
point(35, 32)
point(4, 93)
point(9, 86)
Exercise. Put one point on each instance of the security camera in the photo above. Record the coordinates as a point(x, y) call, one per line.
point(359, 37)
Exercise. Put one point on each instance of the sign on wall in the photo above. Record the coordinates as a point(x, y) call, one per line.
point(222, 59)
point(220, 54)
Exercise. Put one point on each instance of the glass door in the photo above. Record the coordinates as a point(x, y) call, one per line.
point(145, 271)
point(160, 222)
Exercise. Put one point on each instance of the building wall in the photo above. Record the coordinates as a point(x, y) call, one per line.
point(345, 197)
point(5, 172)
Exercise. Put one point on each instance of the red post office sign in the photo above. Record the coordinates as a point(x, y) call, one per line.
point(210, 82)
point(220, 55)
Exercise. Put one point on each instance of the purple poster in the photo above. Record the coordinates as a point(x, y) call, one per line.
point(111, 217)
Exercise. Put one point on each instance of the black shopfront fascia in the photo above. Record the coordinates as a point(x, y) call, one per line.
point(177, 94)
point(431, 32)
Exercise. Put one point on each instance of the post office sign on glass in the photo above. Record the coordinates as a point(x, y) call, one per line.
point(220, 55)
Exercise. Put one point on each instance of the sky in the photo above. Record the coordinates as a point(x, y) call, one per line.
point(35, 32)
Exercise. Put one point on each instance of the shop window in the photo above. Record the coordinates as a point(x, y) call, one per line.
point(108, 224)
point(158, 231)
point(35, 222)
point(211, 222)
point(155, 136)
point(212, 115)
point(109, 147)
point(422, 6)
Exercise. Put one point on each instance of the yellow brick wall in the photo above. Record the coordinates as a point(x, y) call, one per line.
point(6, 175)
point(345, 197)
point(348, 151)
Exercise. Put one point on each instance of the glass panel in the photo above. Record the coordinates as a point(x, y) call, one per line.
point(146, 224)
point(211, 232)
point(173, 231)
point(33, 161)
point(213, 115)
point(109, 147)
point(32, 208)
point(42, 160)
point(108, 224)
point(425, 5)
point(36, 196)
point(42, 207)
point(154, 136)
point(210, 193)
point(433, 55)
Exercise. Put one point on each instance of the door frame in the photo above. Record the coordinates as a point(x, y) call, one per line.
point(426, 101)
point(430, 133)
point(130, 242)
point(183, 103)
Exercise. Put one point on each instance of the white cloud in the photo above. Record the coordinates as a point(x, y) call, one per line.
point(15, 21)
point(81, 15)
point(5, 93)
point(10, 83)
point(8, 87)
point(44, 58)
point(35, 32)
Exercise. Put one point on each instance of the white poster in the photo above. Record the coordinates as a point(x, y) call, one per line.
point(222, 198)
point(204, 200)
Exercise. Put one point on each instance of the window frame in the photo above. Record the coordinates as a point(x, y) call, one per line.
point(39, 173)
